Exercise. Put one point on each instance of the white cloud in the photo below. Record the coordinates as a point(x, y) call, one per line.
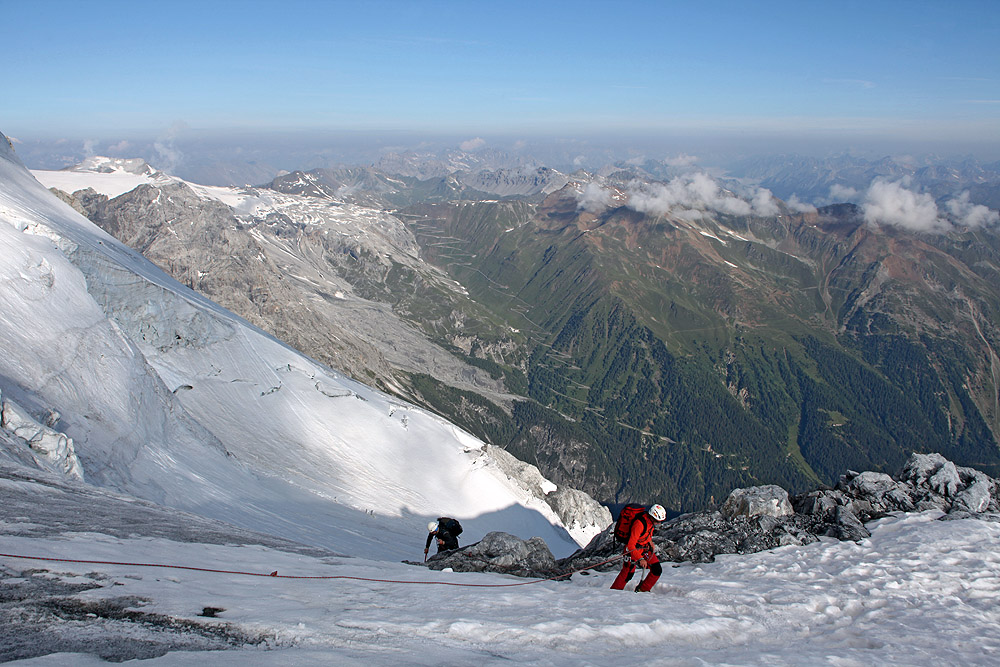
point(472, 144)
point(682, 160)
point(593, 198)
point(799, 206)
point(764, 203)
point(893, 204)
point(696, 192)
point(121, 147)
point(842, 193)
point(972, 215)
point(169, 157)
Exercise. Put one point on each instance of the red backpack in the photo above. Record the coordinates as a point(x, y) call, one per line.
point(625, 519)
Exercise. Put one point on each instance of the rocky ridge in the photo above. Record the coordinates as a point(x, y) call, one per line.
point(757, 519)
point(310, 271)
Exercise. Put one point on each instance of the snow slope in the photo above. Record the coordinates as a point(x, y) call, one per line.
point(917, 592)
point(171, 398)
point(109, 176)
point(113, 177)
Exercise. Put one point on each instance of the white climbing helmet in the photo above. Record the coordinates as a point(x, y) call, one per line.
point(432, 526)
point(657, 512)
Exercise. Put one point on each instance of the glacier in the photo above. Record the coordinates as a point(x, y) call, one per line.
point(169, 397)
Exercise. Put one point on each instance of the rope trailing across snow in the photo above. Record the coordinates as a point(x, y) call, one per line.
point(299, 576)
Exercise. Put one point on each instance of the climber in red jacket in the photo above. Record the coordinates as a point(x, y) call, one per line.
point(639, 550)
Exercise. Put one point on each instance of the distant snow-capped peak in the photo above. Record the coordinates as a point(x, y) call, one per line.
point(110, 165)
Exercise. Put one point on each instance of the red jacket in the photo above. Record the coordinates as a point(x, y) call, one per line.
point(640, 537)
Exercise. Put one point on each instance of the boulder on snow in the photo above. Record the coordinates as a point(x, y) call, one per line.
point(582, 516)
point(946, 480)
point(920, 468)
point(770, 500)
point(937, 483)
point(821, 504)
point(499, 552)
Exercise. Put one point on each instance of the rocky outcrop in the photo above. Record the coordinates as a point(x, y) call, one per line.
point(768, 500)
point(500, 552)
point(762, 518)
point(582, 516)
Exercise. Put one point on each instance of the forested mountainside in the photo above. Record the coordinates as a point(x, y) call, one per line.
point(677, 360)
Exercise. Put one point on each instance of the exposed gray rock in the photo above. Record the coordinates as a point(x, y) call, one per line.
point(757, 519)
point(578, 511)
point(875, 484)
point(521, 181)
point(875, 493)
point(976, 497)
point(946, 480)
point(926, 482)
point(920, 468)
point(499, 552)
point(821, 504)
point(583, 516)
point(768, 500)
point(851, 527)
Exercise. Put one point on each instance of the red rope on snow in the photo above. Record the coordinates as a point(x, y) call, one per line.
point(295, 576)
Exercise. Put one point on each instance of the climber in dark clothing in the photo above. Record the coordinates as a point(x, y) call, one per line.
point(446, 530)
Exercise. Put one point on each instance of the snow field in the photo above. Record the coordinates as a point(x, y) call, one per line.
point(919, 591)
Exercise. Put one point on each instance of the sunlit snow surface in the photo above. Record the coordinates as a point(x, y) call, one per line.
point(178, 401)
point(918, 592)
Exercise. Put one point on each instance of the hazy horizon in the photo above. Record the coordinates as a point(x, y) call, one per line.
point(295, 150)
point(717, 79)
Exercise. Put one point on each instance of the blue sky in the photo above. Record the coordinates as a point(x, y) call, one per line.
point(912, 70)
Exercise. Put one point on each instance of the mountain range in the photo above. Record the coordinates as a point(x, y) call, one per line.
point(643, 332)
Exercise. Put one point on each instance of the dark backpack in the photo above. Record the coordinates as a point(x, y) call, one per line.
point(626, 518)
point(450, 526)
